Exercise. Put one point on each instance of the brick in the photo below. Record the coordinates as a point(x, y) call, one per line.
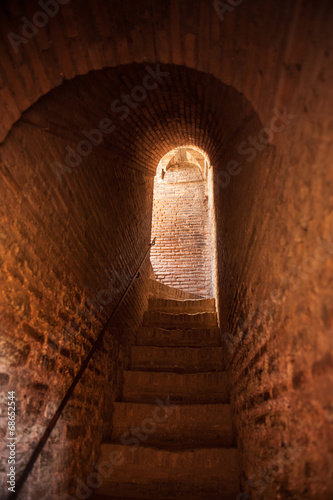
point(175, 33)
point(181, 223)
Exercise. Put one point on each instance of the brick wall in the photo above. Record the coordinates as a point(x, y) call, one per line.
point(190, 33)
point(68, 249)
point(275, 272)
point(181, 225)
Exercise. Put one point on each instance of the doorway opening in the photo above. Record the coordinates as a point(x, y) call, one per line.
point(183, 221)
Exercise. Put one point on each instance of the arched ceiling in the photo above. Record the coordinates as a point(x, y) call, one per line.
point(256, 47)
point(187, 108)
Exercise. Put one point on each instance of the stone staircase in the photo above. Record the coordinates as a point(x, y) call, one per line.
point(172, 432)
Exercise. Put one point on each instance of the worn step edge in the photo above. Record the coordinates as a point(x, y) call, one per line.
point(147, 472)
point(184, 320)
point(174, 426)
point(181, 306)
point(179, 359)
point(154, 336)
point(212, 462)
point(181, 388)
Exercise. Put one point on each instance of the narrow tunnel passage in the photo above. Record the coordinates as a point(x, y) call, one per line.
point(99, 197)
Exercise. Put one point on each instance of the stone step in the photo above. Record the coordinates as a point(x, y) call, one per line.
point(159, 290)
point(199, 496)
point(182, 306)
point(142, 495)
point(194, 337)
point(187, 388)
point(178, 359)
point(150, 473)
point(173, 426)
point(172, 321)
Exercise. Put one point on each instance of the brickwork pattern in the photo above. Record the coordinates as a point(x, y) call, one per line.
point(78, 40)
point(68, 251)
point(181, 225)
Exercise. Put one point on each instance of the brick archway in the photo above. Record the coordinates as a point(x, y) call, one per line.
point(77, 40)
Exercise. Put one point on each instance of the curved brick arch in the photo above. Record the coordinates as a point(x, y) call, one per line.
point(165, 160)
point(79, 39)
point(187, 108)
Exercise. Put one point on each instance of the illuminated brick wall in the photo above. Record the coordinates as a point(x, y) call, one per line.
point(181, 225)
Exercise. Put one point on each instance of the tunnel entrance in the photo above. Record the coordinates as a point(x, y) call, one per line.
point(182, 221)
